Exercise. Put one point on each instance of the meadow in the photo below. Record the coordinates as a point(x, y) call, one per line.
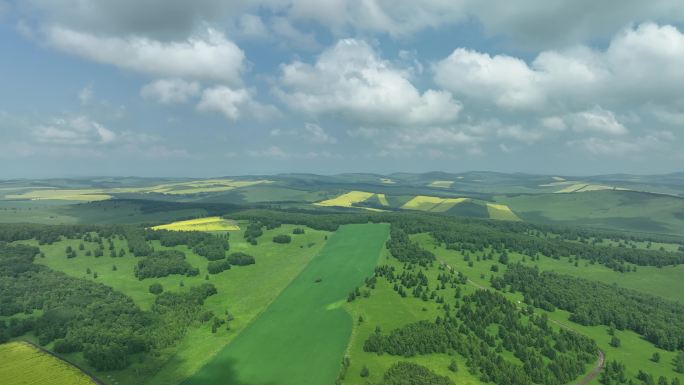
point(634, 352)
point(276, 265)
point(620, 210)
point(302, 335)
point(24, 364)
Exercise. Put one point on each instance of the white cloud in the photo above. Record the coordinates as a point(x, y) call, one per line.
point(251, 26)
point(170, 91)
point(209, 56)
point(640, 65)
point(316, 134)
point(597, 120)
point(275, 152)
point(553, 123)
point(85, 95)
point(674, 116)
point(80, 130)
point(351, 82)
point(290, 35)
point(506, 80)
point(234, 103)
point(654, 141)
point(519, 134)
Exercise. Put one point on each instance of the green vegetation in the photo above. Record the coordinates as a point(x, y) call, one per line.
point(21, 363)
point(303, 333)
point(450, 298)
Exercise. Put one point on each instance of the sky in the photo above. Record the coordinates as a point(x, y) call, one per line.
point(210, 88)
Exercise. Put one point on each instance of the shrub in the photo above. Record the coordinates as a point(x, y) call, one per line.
point(282, 238)
point(215, 267)
point(156, 288)
point(241, 259)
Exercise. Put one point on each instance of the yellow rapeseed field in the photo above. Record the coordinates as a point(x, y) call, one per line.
point(584, 187)
point(346, 200)
point(501, 212)
point(200, 224)
point(82, 195)
point(441, 183)
point(382, 199)
point(434, 204)
point(23, 364)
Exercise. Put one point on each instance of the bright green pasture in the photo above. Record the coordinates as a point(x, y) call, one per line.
point(635, 352)
point(244, 291)
point(301, 337)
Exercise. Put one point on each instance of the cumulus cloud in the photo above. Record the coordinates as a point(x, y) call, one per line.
point(251, 26)
point(208, 56)
point(519, 134)
point(598, 120)
point(640, 65)
point(234, 103)
point(80, 130)
point(317, 134)
point(654, 141)
point(170, 91)
point(85, 95)
point(351, 82)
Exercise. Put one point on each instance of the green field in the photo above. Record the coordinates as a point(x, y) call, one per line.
point(301, 337)
point(277, 265)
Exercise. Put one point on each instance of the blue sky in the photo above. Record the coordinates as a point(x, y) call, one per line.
point(207, 88)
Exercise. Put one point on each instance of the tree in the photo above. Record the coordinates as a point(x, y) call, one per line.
point(655, 357)
point(679, 362)
point(453, 366)
point(156, 288)
point(364, 371)
point(282, 238)
point(615, 342)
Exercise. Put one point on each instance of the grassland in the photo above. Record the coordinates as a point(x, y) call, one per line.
point(200, 224)
point(432, 204)
point(635, 352)
point(620, 210)
point(245, 291)
point(23, 364)
point(501, 212)
point(301, 337)
point(102, 212)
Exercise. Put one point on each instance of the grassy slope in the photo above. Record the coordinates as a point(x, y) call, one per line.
point(622, 210)
point(61, 212)
point(635, 352)
point(23, 364)
point(243, 290)
point(303, 333)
